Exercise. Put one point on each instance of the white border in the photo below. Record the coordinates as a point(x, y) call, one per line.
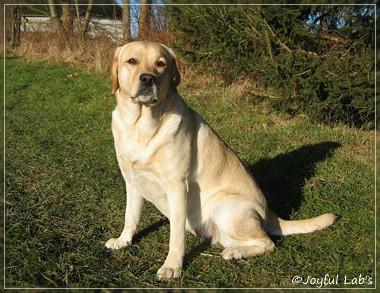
point(182, 288)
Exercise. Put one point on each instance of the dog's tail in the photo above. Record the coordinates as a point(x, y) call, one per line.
point(278, 227)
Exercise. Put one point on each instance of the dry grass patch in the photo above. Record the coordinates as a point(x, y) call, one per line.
point(93, 54)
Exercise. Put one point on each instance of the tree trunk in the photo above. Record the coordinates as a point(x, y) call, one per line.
point(87, 17)
point(67, 17)
point(324, 21)
point(77, 11)
point(144, 21)
point(54, 16)
point(126, 22)
point(16, 26)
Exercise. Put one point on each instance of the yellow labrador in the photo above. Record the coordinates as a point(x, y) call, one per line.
point(171, 157)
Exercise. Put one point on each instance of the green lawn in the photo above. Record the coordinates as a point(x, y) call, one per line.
point(65, 195)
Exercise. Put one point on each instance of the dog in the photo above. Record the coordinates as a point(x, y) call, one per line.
point(171, 157)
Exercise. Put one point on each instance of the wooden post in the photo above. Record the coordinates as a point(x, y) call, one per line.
point(16, 26)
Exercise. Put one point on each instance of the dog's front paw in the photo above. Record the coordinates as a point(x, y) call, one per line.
point(117, 243)
point(168, 273)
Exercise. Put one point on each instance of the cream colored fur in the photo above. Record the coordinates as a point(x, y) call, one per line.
point(171, 157)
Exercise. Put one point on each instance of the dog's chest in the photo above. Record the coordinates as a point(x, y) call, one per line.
point(140, 173)
point(137, 155)
point(138, 161)
point(131, 145)
point(134, 157)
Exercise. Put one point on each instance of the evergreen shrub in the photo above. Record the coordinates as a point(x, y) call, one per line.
point(318, 61)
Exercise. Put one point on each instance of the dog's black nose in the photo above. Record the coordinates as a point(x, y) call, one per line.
point(147, 79)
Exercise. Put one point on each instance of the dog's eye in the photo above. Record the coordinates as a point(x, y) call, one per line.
point(161, 64)
point(132, 61)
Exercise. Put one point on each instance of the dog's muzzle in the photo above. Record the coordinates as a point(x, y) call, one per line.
point(147, 80)
point(147, 93)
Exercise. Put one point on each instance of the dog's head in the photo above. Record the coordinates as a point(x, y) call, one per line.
point(145, 72)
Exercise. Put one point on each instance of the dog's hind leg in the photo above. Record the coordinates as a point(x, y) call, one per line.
point(249, 248)
point(242, 234)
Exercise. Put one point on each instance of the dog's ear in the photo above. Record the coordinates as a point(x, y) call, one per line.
point(114, 72)
point(176, 76)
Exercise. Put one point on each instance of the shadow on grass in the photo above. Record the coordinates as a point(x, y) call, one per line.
point(283, 177)
point(149, 229)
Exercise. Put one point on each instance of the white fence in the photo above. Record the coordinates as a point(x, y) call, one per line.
point(110, 27)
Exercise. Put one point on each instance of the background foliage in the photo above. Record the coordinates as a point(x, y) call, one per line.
point(314, 60)
point(317, 60)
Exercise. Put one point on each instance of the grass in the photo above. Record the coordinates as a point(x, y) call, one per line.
point(65, 195)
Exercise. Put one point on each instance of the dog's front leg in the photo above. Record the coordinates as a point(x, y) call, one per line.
point(132, 218)
point(177, 208)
